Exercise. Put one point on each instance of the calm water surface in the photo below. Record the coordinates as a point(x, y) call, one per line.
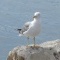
point(14, 13)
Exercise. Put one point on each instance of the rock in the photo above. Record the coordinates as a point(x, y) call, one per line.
point(46, 51)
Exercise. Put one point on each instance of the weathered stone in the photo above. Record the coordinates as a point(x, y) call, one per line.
point(45, 51)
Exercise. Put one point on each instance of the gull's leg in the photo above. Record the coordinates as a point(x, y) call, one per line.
point(34, 41)
point(27, 41)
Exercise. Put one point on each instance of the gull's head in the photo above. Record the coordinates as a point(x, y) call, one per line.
point(36, 15)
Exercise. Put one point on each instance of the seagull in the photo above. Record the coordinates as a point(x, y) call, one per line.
point(31, 29)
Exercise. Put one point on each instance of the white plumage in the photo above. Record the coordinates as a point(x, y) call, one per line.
point(33, 28)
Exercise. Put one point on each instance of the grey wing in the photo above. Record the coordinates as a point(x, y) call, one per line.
point(25, 28)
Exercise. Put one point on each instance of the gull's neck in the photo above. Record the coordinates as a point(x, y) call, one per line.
point(36, 19)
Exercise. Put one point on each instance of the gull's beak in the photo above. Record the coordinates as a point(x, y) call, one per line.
point(34, 16)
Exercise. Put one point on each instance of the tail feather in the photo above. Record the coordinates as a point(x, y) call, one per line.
point(20, 34)
point(19, 30)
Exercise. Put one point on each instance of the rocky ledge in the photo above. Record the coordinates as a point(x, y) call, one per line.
point(46, 51)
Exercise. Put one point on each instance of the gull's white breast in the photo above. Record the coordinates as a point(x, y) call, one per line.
point(34, 29)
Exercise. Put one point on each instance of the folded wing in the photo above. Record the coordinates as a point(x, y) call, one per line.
point(24, 28)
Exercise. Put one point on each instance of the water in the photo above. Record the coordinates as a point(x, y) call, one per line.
point(14, 13)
